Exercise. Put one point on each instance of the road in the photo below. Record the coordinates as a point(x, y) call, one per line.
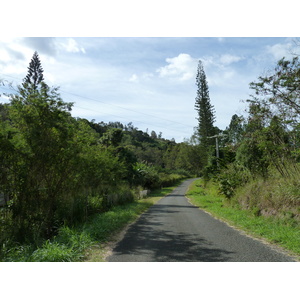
point(173, 230)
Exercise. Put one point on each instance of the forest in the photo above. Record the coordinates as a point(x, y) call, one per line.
point(57, 170)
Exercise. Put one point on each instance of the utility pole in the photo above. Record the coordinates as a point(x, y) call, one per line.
point(217, 145)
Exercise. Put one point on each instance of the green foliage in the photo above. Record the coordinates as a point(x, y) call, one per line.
point(280, 90)
point(251, 154)
point(172, 179)
point(120, 196)
point(35, 72)
point(206, 114)
point(234, 132)
point(273, 120)
point(16, 253)
point(39, 135)
point(276, 195)
point(73, 243)
point(231, 178)
point(183, 156)
point(262, 174)
point(51, 160)
point(58, 170)
point(53, 252)
point(67, 246)
point(146, 175)
point(283, 231)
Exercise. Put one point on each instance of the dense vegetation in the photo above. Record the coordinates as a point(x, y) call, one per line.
point(252, 180)
point(57, 170)
point(258, 168)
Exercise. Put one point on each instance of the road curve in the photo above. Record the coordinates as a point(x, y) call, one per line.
point(173, 230)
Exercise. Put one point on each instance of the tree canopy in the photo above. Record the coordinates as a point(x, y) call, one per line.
point(206, 113)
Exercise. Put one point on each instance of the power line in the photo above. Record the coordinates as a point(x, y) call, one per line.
point(118, 116)
point(137, 112)
point(100, 101)
point(135, 121)
point(96, 100)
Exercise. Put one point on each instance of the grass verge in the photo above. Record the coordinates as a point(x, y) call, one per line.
point(284, 232)
point(87, 242)
point(108, 228)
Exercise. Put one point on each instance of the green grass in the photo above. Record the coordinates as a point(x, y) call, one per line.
point(281, 231)
point(85, 242)
point(104, 227)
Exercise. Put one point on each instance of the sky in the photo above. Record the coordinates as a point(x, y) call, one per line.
point(148, 81)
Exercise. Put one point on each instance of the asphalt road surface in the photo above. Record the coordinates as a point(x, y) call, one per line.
point(173, 230)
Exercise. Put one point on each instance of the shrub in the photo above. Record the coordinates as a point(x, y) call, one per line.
point(146, 175)
point(232, 178)
point(170, 179)
point(121, 195)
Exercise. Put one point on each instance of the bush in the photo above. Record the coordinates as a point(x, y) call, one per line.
point(232, 178)
point(146, 176)
point(121, 195)
point(170, 179)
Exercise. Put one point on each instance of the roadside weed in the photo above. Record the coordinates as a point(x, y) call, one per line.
point(281, 231)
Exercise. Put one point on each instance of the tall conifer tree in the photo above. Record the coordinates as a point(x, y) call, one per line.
point(206, 112)
point(35, 72)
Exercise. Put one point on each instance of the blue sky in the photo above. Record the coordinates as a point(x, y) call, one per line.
point(147, 81)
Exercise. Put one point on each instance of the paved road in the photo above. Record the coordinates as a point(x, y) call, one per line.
point(175, 230)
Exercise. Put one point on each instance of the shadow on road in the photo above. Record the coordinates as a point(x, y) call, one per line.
point(175, 230)
point(153, 244)
point(170, 208)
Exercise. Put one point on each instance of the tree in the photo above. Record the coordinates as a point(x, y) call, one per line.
point(153, 134)
point(235, 130)
point(273, 120)
point(206, 113)
point(279, 93)
point(206, 116)
point(41, 145)
point(35, 72)
point(42, 152)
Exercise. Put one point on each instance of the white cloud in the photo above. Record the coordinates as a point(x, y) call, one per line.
point(13, 57)
point(134, 78)
point(13, 51)
point(225, 78)
point(4, 55)
point(143, 77)
point(182, 66)
point(72, 46)
point(228, 59)
point(147, 75)
point(280, 50)
point(4, 98)
point(220, 61)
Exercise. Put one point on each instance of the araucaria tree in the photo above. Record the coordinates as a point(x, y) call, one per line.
point(206, 112)
point(35, 72)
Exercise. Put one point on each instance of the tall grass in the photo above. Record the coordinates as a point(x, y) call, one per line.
point(275, 196)
point(284, 231)
point(73, 243)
